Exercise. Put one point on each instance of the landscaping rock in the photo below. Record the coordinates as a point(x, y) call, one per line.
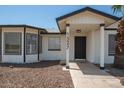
point(35, 75)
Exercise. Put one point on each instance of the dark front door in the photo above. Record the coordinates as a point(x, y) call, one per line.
point(80, 47)
point(0, 45)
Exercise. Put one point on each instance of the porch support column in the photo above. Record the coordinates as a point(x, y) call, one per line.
point(102, 46)
point(67, 45)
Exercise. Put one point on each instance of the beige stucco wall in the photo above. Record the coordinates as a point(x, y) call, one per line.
point(53, 55)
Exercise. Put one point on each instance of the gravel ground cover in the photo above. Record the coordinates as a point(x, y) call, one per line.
point(35, 75)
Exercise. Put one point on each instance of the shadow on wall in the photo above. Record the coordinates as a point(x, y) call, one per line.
point(41, 64)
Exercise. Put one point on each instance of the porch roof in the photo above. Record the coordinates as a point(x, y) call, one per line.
point(61, 20)
point(88, 9)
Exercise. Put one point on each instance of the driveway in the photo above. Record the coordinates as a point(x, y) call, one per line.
point(87, 75)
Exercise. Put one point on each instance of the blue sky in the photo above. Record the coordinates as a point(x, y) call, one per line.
point(41, 16)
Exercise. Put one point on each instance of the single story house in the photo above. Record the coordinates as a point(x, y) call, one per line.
point(84, 34)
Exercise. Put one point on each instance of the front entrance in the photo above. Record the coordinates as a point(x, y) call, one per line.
point(0, 45)
point(80, 47)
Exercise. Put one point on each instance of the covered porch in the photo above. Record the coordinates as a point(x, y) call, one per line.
point(84, 41)
point(86, 25)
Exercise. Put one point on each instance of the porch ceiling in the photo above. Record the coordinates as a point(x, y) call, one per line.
point(84, 27)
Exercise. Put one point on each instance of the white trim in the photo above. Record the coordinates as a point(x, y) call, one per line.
point(79, 59)
point(67, 45)
point(102, 46)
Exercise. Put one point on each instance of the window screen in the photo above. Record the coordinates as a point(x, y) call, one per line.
point(54, 43)
point(12, 43)
point(111, 44)
point(31, 43)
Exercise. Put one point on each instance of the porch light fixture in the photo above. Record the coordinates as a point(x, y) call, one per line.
point(78, 31)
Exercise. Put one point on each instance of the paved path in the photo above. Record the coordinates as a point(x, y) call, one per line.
point(89, 76)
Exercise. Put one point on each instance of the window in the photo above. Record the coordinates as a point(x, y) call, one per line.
point(111, 45)
point(12, 43)
point(54, 44)
point(31, 43)
point(40, 44)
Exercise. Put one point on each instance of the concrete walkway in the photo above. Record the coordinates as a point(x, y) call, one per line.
point(87, 75)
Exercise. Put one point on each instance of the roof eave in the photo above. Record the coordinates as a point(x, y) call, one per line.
point(23, 25)
point(88, 9)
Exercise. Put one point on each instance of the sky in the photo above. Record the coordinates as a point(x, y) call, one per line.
point(43, 16)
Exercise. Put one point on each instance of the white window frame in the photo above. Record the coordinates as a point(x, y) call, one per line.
point(40, 44)
point(110, 53)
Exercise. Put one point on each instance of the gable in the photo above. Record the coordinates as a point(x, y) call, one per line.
point(86, 16)
point(87, 9)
